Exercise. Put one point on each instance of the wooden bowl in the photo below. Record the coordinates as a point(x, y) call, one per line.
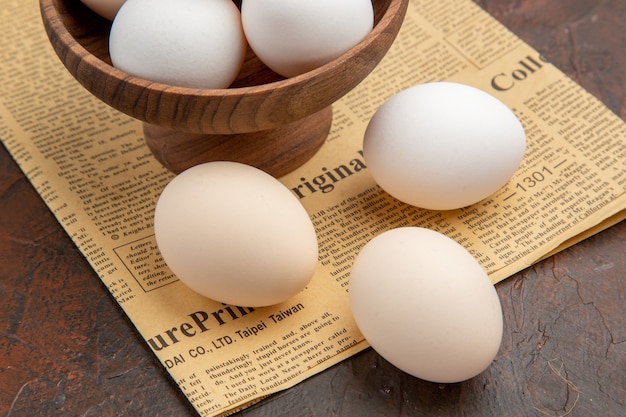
point(263, 119)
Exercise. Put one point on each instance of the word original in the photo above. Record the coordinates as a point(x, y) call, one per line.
point(325, 182)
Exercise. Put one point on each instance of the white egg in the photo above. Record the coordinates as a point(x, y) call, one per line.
point(443, 145)
point(185, 43)
point(296, 36)
point(105, 8)
point(425, 304)
point(235, 234)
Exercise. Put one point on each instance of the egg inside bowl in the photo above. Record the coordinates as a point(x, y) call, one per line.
point(262, 119)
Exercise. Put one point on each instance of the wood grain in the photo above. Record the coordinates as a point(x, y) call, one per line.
point(276, 151)
point(67, 350)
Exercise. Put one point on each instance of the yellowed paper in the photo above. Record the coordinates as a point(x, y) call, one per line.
point(91, 166)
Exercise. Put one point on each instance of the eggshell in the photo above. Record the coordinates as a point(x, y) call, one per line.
point(425, 304)
point(443, 145)
point(185, 43)
point(105, 8)
point(296, 36)
point(235, 234)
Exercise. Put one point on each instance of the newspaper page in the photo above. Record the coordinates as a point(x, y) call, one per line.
point(91, 166)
